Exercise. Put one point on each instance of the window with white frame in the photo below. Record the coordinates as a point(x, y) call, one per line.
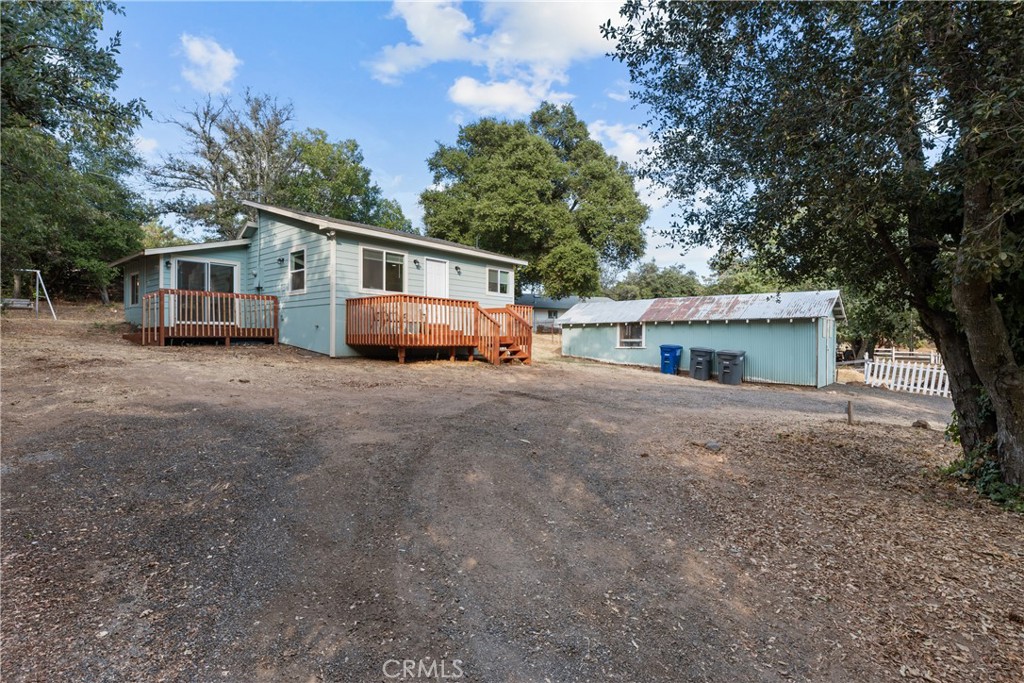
point(552, 315)
point(297, 271)
point(134, 288)
point(499, 281)
point(383, 270)
point(631, 335)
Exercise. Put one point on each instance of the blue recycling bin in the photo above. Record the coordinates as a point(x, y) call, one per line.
point(670, 357)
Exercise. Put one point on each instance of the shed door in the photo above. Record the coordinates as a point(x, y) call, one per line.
point(436, 277)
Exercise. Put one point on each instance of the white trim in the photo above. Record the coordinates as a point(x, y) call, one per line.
point(385, 251)
point(182, 249)
point(333, 246)
point(218, 262)
point(325, 223)
point(305, 267)
point(128, 279)
point(511, 281)
point(643, 336)
point(236, 270)
point(447, 275)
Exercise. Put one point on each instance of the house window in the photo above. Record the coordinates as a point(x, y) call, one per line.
point(297, 271)
point(552, 315)
point(499, 281)
point(631, 335)
point(134, 286)
point(383, 270)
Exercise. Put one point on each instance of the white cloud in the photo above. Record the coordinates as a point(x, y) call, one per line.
point(527, 50)
point(146, 146)
point(502, 97)
point(619, 93)
point(210, 67)
point(622, 140)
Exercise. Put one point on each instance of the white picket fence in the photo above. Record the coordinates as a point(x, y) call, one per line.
point(916, 378)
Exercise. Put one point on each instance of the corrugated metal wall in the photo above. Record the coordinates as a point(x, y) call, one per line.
point(779, 352)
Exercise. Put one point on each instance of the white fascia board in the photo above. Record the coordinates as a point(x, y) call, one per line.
point(155, 251)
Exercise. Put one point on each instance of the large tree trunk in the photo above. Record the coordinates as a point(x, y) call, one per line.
point(17, 286)
point(986, 330)
point(104, 295)
point(977, 425)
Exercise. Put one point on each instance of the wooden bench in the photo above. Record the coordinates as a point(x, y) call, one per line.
point(21, 304)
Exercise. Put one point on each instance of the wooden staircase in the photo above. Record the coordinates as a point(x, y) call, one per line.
point(510, 350)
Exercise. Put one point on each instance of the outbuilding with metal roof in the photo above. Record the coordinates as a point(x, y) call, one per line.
point(788, 337)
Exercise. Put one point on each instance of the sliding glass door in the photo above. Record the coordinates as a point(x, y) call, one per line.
point(202, 276)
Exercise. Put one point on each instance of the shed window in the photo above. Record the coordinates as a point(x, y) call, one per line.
point(297, 271)
point(383, 270)
point(631, 335)
point(134, 285)
point(498, 281)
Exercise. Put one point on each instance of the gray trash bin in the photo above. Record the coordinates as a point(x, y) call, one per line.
point(730, 366)
point(701, 360)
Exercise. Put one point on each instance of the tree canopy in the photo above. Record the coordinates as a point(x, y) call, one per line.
point(540, 189)
point(66, 145)
point(876, 143)
point(250, 152)
point(649, 281)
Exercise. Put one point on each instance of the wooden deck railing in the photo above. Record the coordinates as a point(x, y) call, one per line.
point(191, 314)
point(404, 321)
point(514, 326)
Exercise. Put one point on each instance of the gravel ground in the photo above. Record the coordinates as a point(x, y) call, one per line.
point(259, 513)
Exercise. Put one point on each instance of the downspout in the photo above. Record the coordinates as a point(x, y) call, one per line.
point(333, 246)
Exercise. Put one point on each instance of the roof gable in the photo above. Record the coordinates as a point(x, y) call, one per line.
point(326, 224)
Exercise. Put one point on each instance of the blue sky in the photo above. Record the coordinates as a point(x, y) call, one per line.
point(397, 77)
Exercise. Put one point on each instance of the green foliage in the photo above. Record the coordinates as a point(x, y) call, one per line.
point(871, 144)
point(155, 235)
point(746, 277)
point(251, 153)
point(542, 190)
point(650, 282)
point(66, 146)
point(57, 76)
point(979, 469)
point(330, 179)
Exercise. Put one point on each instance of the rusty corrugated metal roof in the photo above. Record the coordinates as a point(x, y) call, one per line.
point(772, 306)
point(605, 312)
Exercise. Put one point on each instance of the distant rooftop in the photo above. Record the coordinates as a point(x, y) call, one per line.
point(563, 304)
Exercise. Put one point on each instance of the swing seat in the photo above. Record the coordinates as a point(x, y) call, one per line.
point(20, 304)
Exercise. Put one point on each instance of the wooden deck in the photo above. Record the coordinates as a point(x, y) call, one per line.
point(405, 321)
point(175, 314)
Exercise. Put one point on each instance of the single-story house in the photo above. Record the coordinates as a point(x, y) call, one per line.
point(547, 310)
point(331, 286)
point(788, 337)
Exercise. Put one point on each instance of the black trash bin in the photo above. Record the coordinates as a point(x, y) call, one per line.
point(670, 355)
point(701, 360)
point(730, 366)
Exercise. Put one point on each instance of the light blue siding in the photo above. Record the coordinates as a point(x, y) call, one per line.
point(776, 352)
point(148, 269)
point(470, 284)
point(305, 315)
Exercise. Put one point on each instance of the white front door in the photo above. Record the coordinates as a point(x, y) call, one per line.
point(436, 278)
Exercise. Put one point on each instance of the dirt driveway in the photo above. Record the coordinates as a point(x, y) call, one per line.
point(264, 514)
